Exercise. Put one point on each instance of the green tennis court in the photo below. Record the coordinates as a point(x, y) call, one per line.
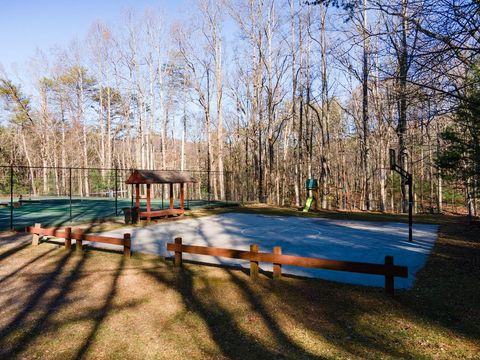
point(62, 211)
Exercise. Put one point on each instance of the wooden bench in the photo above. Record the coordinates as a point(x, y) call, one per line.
point(160, 213)
point(79, 236)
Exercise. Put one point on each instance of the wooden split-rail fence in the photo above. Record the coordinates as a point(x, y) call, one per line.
point(79, 236)
point(388, 269)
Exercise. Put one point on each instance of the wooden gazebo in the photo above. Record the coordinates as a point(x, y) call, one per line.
point(150, 177)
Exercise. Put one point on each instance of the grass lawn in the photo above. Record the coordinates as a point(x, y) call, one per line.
point(59, 305)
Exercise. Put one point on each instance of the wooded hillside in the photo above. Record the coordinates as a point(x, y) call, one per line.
point(274, 91)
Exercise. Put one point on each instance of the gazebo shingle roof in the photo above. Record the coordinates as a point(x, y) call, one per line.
point(160, 177)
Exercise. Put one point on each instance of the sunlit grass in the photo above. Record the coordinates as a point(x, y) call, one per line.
point(99, 306)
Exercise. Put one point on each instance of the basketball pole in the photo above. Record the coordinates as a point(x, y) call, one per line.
point(410, 207)
point(408, 179)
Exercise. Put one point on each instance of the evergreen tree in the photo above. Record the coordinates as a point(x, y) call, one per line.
point(460, 158)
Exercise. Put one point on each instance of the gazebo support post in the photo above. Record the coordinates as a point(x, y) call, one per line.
point(171, 197)
point(137, 196)
point(148, 202)
point(182, 196)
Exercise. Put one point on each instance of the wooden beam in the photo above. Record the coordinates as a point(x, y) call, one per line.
point(160, 213)
point(127, 245)
point(148, 197)
point(204, 250)
point(171, 196)
point(389, 279)
point(97, 238)
point(350, 266)
point(277, 268)
point(36, 235)
point(79, 245)
point(68, 238)
point(79, 236)
point(45, 232)
point(148, 202)
point(182, 196)
point(254, 269)
point(178, 255)
point(137, 195)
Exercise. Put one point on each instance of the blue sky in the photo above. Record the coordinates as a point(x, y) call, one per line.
point(26, 25)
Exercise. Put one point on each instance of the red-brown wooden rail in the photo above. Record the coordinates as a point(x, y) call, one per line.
point(79, 236)
point(388, 269)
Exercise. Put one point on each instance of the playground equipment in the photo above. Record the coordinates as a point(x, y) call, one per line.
point(408, 180)
point(312, 200)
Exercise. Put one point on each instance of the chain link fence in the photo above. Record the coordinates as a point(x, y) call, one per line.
point(68, 195)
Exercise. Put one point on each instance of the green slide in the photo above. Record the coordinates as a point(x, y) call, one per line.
point(308, 204)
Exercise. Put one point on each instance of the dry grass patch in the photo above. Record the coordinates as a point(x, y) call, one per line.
point(56, 304)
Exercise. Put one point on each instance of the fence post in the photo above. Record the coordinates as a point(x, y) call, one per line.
point(277, 268)
point(178, 254)
point(70, 192)
point(389, 279)
point(254, 264)
point(127, 245)
point(11, 197)
point(36, 237)
point(68, 238)
point(116, 190)
point(78, 242)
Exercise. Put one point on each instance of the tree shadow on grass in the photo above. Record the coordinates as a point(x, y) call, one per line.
point(336, 313)
point(351, 331)
point(340, 314)
point(13, 250)
point(26, 265)
point(341, 327)
point(101, 313)
point(232, 341)
point(447, 290)
point(21, 330)
point(21, 319)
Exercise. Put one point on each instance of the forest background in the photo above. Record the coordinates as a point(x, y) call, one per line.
point(265, 93)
